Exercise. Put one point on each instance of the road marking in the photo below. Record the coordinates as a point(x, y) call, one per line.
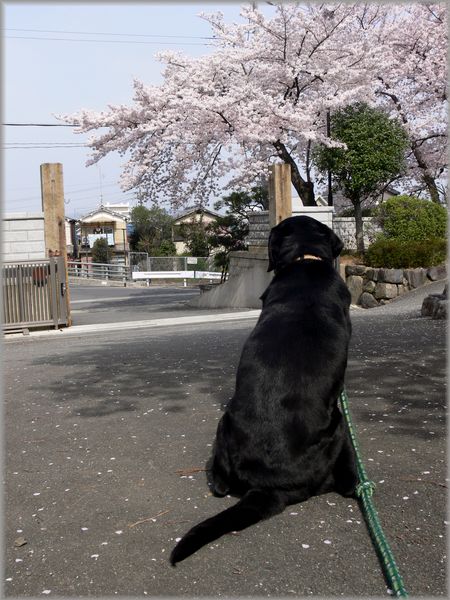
point(129, 325)
point(132, 297)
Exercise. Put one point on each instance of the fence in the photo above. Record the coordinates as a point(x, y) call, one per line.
point(106, 272)
point(34, 294)
point(140, 261)
point(145, 267)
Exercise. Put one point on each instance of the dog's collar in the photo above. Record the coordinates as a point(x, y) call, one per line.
point(307, 257)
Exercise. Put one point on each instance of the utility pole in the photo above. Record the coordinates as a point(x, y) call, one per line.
point(330, 191)
point(52, 191)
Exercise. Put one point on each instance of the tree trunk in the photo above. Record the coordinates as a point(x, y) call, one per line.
point(359, 225)
point(305, 189)
point(427, 178)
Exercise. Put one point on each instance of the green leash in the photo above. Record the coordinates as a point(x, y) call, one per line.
point(364, 492)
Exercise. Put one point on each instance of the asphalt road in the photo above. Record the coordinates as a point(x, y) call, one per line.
point(95, 304)
point(107, 435)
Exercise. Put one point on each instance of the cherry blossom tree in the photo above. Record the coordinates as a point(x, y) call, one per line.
point(261, 96)
point(413, 43)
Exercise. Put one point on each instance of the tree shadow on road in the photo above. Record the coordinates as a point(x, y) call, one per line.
point(398, 378)
point(175, 372)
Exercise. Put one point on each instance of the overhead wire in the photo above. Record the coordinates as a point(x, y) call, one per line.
point(51, 39)
point(151, 35)
point(37, 125)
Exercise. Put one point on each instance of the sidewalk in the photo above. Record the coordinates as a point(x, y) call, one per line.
point(107, 436)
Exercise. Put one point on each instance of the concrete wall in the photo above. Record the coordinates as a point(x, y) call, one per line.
point(324, 214)
point(248, 278)
point(23, 236)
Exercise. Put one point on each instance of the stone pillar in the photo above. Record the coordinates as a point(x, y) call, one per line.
point(52, 191)
point(280, 197)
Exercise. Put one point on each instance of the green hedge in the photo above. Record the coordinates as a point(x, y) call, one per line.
point(400, 254)
point(408, 218)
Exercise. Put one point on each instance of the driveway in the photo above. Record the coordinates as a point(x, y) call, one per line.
point(107, 434)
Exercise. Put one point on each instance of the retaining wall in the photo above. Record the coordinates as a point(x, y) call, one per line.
point(372, 287)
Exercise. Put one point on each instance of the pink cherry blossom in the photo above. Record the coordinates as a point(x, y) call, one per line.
point(217, 122)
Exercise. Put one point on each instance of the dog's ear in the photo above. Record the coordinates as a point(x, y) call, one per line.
point(336, 244)
point(273, 248)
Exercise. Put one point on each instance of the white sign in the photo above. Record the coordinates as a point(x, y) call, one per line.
point(191, 260)
point(93, 237)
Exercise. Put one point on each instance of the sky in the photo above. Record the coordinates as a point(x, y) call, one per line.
point(59, 58)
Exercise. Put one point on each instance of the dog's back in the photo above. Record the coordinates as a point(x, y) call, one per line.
point(282, 438)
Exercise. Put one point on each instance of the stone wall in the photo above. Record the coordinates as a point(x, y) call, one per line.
point(345, 228)
point(23, 236)
point(372, 287)
point(259, 229)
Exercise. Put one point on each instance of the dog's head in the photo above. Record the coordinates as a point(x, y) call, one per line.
point(296, 236)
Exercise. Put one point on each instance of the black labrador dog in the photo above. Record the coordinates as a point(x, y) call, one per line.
point(282, 438)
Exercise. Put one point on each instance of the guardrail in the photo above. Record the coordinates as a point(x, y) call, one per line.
point(89, 270)
point(149, 275)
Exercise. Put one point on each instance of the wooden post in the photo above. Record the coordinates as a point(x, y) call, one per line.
point(280, 197)
point(52, 191)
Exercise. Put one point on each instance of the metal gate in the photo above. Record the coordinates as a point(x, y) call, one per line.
point(34, 294)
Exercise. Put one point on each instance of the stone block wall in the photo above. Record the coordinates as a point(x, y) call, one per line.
point(23, 236)
point(259, 229)
point(345, 228)
point(372, 287)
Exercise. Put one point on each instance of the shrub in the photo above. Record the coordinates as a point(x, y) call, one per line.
point(350, 212)
point(408, 218)
point(100, 251)
point(400, 254)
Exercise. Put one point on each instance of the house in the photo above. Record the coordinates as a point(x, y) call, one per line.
point(103, 222)
point(72, 248)
point(193, 214)
point(122, 208)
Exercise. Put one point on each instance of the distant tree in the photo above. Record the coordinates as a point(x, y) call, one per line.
point(100, 251)
point(374, 154)
point(166, 248)
point(152, 227)
point(229, 232)
point(195, 237)
point(241, 203)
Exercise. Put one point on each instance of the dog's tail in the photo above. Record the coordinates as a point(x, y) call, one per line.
point(254, 506)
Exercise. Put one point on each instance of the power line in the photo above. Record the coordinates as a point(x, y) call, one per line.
point(38, 146)
point(36, 125)
point(70, 194)
point(52, 39)
point(42, 142)
point(150, 35)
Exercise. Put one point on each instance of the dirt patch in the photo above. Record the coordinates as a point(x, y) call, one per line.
point(351, 259)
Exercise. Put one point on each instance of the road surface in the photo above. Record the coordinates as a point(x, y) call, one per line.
point(108, 431)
